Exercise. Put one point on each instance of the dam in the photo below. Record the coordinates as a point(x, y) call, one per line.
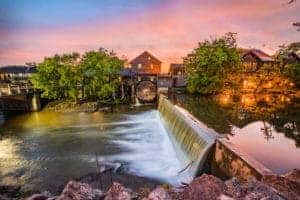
point(164, 143)
point(187, 135)
point(37, 146)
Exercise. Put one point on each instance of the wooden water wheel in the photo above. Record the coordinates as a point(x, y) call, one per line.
point(146, 91)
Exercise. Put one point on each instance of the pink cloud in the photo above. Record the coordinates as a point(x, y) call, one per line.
point(170, 31)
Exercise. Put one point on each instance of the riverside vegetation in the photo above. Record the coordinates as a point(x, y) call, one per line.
point(215, 65)
point(94, 76)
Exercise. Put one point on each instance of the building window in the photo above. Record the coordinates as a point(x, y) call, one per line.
point(139, 65)
point(149, 58)
point(151, 66)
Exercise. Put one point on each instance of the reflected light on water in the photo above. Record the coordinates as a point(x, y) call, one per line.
point(273, 149)
point(248, 100)
point(10, 161)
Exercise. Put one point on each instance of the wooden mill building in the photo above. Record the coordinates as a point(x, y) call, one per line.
point(254, 59)
point(144, 77)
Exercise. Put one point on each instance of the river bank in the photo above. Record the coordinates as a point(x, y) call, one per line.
point(70, 106)
point(100, 181)
point(205, 187)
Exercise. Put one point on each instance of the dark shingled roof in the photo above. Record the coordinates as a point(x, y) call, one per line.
point(259, 54)
point(145, 53)
point(16, 69)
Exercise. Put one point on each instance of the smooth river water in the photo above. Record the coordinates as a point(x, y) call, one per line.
point(265, 127)
point(43, 150)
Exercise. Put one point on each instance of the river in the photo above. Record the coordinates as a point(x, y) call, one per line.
point(42, 150)
point(265, 127)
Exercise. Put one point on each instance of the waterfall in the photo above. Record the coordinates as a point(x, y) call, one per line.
point(137, 102)
point(190, 137)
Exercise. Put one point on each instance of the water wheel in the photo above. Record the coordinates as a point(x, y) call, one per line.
point(146, 91)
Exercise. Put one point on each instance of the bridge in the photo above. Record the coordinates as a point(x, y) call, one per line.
point(18, 96)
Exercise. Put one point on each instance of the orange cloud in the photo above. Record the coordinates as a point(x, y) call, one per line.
point(170, 30)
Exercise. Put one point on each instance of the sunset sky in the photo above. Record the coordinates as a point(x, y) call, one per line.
point(32, 29)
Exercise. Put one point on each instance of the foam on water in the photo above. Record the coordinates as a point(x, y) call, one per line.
point(39, 146)
point(151, 152)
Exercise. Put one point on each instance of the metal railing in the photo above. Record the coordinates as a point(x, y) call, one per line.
point(12, 89)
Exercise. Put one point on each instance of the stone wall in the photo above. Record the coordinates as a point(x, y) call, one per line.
point(231, 161)
point(225, 159)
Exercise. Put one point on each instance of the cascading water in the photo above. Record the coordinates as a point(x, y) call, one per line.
point(190, 138)
point(137, 102)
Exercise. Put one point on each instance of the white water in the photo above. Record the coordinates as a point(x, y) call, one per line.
point(137, 102)
point(191, 139)
point(151, 152)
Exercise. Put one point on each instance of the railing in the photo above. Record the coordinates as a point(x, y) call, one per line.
point(12, 89)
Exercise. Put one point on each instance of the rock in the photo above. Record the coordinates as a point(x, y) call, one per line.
point(250, 190)
point(225, 197)
point(293, 175)
point(42, 196)
point(118, 192)
point(80, 191)
point(288, 185)
point(234, 188)
point(205, 187)
point(2, 197)
point(176, 192)
point(159, 194)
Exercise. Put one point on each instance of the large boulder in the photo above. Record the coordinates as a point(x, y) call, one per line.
point(41, 196)
point(159, 194)
point(118, 192)
point(205, 187)
point(80, 191)
point(288, 185)
point(251, 190)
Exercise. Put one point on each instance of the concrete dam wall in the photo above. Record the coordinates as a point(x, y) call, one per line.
point(194, 141)
point(187, 135)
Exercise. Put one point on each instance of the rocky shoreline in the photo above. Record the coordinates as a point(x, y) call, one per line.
point(67, 106)
point(205, 187)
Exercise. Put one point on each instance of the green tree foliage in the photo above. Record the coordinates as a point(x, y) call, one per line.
point(290, 67)
point(100, 73)
point(95, 75)
point(209, 65)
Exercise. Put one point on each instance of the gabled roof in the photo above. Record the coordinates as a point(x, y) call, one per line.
point(297, 54)
point(259, 54)
point(292, 56)
point(145, 54)
point(16, 69)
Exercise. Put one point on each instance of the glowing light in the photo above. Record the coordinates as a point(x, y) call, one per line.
point(248, 100)
point(267, 98)
point(270, 85)
point(225, 98)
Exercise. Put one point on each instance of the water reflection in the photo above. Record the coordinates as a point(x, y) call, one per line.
point(45, 149)
point(272, 122)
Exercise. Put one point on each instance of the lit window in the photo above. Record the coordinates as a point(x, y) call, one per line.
point(139, 65)
point(149, 58)
point(151, 66)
